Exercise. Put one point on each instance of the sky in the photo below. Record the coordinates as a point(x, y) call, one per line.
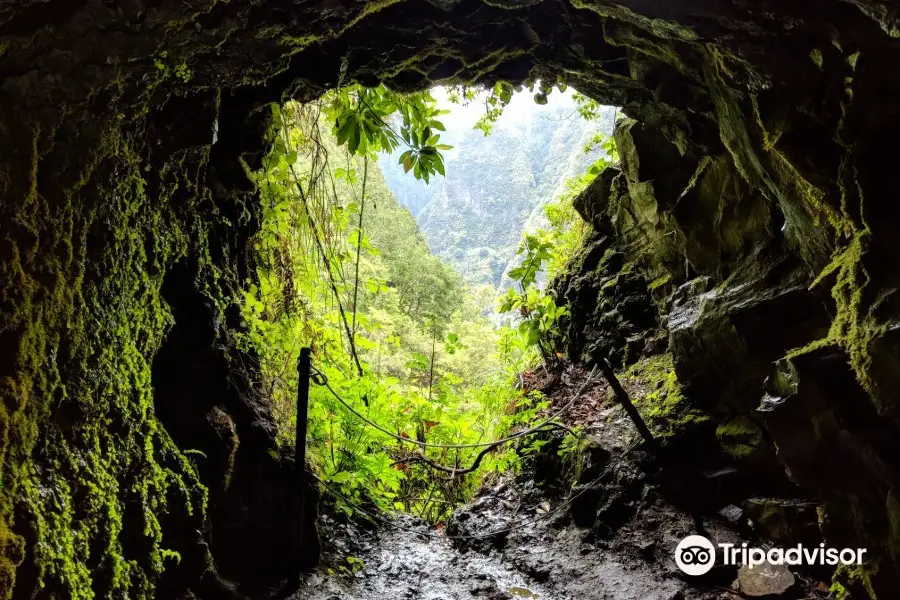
point(517, 114)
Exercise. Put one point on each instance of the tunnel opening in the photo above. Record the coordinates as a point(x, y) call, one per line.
point(403, 343)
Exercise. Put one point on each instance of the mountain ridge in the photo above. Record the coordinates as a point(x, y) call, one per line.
point(496, 185)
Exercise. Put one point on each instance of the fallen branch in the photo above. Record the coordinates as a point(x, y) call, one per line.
point(454, 472)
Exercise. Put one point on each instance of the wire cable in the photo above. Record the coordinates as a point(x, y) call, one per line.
point(321, 379)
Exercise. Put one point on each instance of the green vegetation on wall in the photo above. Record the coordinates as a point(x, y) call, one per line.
point(661, 401)
point(82, 450)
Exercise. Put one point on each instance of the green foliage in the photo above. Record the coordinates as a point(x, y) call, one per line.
point(538, 314)
point(353, 566)
point(362, 118)
point(571, 445)
point(565, 229)
point(536, 253)
point(611, 154)
point(494, 102)
point(547, 252)
point(180, 71)
point(589, 109)
point(496, 186)
point(498, 97)
point(344, 270)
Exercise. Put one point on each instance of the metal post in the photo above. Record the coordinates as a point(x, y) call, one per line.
point(684, 482)
point(629, 407)
point(303, 369)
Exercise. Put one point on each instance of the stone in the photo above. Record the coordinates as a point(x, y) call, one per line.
point(612, 313)
point(593, 202)
point(785, 521)
point(765, 580)
point(732, 514)
point(584, 504)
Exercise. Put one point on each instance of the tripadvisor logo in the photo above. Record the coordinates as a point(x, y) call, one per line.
point(696, 555)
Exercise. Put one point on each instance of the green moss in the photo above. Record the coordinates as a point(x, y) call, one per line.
point(227, 431)
point(369, 8)
point(490, 61)
point(846, 578)
point(662, 403)
point(80, 444)
point(854, 326)
point(838, 591)
point(298, 42)
point(797, 186)
point(608, 255)
point(658, 27)
point(659, 282)
point(815, 55)
point(740, 437)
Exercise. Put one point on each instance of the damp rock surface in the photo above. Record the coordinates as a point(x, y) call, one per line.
point(756, 200)
point(418, 562)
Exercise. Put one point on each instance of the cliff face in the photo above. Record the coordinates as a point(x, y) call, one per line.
point(787, 352)
point(496, 186)
point(755, 178)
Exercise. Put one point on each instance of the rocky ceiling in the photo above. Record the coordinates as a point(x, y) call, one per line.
point(126, 128)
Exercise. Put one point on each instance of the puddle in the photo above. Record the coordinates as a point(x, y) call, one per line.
point(520, 592)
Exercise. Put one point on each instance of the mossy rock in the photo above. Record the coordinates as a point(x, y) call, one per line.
point(660, 398)
point(740, 437)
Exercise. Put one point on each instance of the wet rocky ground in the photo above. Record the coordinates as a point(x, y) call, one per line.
point(609, 536)
point(416, 563)
point(412, 564)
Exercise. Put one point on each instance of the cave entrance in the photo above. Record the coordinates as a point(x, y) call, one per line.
point(407, 239)
point(127, 130)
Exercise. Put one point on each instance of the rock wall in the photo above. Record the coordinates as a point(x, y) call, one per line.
point(755, 178)
point(773, 342)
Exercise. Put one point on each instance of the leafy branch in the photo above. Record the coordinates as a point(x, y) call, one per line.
point(361, 121)
point(538, 313)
